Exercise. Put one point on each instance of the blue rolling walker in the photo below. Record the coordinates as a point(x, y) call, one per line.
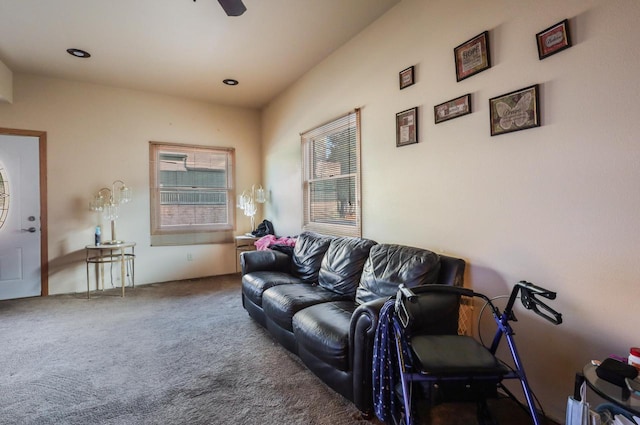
point(457, 367)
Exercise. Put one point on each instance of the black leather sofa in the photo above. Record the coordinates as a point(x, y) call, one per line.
point(322, 302)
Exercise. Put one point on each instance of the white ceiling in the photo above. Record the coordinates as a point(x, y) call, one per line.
point(181, 47)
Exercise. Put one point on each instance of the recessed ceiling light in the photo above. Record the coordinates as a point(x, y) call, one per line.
point(230, 82)
point(79, 53)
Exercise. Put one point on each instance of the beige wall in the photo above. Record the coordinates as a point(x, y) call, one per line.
point(6, 84)
point(557, 205)
point(98, 134)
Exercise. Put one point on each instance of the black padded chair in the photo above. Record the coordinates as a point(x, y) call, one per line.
point(452, 367)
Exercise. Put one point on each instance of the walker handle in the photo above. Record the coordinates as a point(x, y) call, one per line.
point(412, 293)
point(528, 292)
point(537, 290)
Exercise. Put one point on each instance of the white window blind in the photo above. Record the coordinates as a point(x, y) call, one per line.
point(4, 195)
point(192, 194)
point(331, 177)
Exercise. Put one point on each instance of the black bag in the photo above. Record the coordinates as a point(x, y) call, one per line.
point(265, 228)
point(615, 371)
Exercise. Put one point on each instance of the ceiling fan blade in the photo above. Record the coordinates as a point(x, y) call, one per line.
point(233, 7)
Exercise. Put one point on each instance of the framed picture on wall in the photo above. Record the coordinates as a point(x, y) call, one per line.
point(518, 110)
point(407, 127)
point(452, 109)
point(472, 56)
point(406, 77)
point(554, 39)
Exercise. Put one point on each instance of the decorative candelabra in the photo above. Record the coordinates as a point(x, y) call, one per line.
point(107, 201)
point(247, 202)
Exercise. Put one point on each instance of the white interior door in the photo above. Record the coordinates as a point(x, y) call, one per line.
point(20, 234)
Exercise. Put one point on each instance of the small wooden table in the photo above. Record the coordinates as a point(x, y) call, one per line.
point(244, 243)
point(110, 252)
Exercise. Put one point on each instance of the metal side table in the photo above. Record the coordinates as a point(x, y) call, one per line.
point(120, 252)
point(619, 396)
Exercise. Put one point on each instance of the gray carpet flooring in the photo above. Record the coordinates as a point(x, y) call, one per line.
point(171, 353)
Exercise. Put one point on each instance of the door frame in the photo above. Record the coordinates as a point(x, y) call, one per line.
point(44, 245)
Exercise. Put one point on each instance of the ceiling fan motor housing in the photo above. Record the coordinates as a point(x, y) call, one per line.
point(233, 7)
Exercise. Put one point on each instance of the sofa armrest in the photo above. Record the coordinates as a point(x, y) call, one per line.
point(364, 322)
point(268, 260)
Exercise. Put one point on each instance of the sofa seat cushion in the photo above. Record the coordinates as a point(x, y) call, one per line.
point(323, 329)
point(255, 283)
point(281, 302)
point(342, 264)
point(390, 265)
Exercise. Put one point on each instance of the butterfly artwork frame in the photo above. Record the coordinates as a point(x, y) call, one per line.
point(515, 111)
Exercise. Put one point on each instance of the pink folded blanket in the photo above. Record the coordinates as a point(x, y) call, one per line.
point(266, 241)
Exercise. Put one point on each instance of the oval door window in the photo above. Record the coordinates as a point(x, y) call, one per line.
point(4, 195)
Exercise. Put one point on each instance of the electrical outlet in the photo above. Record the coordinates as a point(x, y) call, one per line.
point(189, 257)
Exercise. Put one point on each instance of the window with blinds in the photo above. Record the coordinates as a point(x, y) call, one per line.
point(4, 196)
point(191, 194)
point(331, 177)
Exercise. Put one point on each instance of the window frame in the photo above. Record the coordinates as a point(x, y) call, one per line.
point(166, 234)
point(346, 121)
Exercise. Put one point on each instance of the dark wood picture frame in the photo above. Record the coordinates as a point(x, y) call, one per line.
point(473, 56)
point(554, 39)
point(406, 77)
point(407, 127)
point(453, 108)
point(514, 111)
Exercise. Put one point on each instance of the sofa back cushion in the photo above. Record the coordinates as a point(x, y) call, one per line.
point(307, 256)
point(342, 264)
point(390, 265)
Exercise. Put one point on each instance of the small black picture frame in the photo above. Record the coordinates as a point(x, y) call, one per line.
point(406, 77)
point(453, 108)
point(554, 39)
point(472, 56)
point(407, 127)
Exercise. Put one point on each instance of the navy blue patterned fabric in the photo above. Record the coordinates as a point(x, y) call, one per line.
point(386, 372)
